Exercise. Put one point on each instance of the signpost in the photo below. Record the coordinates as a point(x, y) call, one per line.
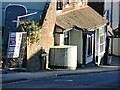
point(15, 42)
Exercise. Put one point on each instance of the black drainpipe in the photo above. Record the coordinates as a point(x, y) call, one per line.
point(94, 47)
point(111, 26)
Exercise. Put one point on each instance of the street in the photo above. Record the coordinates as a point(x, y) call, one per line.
point(91, 80)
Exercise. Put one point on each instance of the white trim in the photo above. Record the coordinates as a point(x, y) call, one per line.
point(67, 6)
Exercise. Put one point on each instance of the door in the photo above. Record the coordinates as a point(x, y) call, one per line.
point(89, 51)
point(88, 48)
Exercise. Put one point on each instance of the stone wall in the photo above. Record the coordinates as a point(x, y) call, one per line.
point(46, 39)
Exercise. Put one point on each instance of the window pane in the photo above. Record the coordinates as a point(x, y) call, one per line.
point(59, 5)
point(102, 48)
point(66, 38)
point(101, 39)
point(89, 45)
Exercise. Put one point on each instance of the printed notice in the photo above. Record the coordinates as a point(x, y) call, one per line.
point(14, 44)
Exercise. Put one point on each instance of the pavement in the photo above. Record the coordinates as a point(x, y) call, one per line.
point(14, 76)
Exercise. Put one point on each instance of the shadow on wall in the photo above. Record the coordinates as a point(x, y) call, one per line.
point(36, 62)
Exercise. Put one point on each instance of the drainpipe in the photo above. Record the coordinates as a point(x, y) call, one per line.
point(94, 54)
point(111, 26)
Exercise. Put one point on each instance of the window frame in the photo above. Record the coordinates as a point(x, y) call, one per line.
point(67, 38)
point(59, 5)
point(102, 43)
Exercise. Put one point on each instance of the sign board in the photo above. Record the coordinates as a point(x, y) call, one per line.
point(14, 44)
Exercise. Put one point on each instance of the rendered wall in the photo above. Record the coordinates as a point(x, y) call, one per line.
point(77, 40)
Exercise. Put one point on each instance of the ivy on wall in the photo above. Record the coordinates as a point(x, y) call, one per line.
point(33, 30)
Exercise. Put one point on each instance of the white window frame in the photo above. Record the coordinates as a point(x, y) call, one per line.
point(104, 39)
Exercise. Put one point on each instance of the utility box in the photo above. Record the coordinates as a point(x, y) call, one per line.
point(63, 57)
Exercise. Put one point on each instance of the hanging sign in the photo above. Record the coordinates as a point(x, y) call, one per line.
point(14, 43)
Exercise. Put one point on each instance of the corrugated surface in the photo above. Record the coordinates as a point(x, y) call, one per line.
point(85, 18)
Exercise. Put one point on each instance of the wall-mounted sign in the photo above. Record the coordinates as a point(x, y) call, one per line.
point(14, 43)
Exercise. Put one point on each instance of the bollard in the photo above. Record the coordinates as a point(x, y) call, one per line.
point(43, 55)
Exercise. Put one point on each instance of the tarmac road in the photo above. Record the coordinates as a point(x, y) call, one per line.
point(92, 80)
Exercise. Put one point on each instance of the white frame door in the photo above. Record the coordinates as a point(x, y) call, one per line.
point(89, 51)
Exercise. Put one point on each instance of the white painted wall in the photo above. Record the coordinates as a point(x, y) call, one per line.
point(64, 56)
point(115, 21)
point(114, 11)
point(116, 46)
point(115, 15)
point(77, 40)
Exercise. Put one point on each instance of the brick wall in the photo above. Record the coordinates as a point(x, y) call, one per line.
point(73, 5)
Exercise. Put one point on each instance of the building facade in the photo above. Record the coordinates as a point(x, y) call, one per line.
point(84, 27)
point(110, 9)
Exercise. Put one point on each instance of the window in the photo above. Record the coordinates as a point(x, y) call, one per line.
point(59, 4)
point(102, 40)
point(79, 2)
point(66, 38)
point(67, 1)
point(89, 45)
point(101, 47)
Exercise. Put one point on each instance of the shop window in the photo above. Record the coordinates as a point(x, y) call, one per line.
point(89, 45)
point(59, 4)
